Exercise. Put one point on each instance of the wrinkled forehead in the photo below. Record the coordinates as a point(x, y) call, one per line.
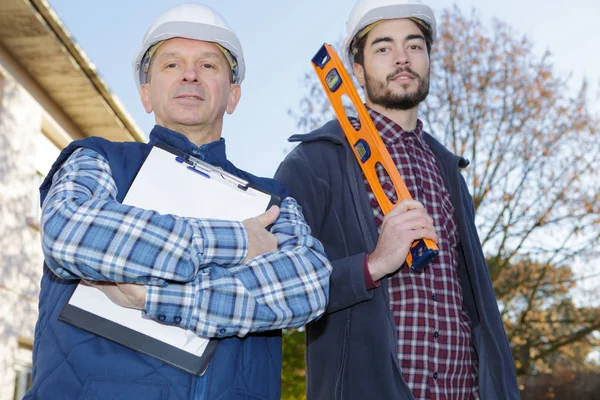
point(182, 46)
point(179, 46)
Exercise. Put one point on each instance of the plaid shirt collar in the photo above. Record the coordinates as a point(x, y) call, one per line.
point(391, 132)
point(213, 153)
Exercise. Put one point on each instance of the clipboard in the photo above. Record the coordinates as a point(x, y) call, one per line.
point(169, 182)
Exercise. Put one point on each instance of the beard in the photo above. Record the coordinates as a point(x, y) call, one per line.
point(379, 93)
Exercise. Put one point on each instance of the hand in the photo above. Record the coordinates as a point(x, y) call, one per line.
point(128, 295)
point(407, 222)
point(261, 241)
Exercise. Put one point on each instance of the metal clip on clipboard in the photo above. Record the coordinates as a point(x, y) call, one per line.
point(210, 171)
point(367, 145)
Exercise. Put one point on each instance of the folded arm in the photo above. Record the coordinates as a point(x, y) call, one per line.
point(282, 289)
point(87, 234)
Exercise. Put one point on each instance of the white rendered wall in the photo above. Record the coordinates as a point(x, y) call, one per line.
point(24, 153)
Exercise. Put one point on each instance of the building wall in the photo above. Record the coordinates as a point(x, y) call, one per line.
point(25, 155)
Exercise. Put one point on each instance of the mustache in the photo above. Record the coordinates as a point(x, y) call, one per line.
point(402, 69)
point(190, 90)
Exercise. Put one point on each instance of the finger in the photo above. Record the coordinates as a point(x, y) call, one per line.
point(427, 233)
point(405, 205)
point(269, 217)
point(409, 219)
point(129, 288)
point(423, 233)
point(121, 285)
point(98, 284)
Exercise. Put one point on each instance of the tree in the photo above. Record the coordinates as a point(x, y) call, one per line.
point(533, 148)
point(547, 330)
point(535, 151)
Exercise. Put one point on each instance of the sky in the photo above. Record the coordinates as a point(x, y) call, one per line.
point(279, 38)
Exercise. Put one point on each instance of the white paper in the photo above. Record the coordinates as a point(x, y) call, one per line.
point(169, 187)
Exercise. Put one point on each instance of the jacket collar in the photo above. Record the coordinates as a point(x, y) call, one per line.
point(333, 132)
point(213, 153)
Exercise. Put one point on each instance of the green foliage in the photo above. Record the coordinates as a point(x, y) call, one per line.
point(293, 375)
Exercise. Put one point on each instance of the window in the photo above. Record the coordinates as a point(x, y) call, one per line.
point(23, 368)
point(22, 381)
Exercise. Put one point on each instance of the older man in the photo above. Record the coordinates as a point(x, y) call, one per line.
point(201, 275)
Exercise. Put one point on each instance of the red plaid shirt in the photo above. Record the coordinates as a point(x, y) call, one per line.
point(434, 331)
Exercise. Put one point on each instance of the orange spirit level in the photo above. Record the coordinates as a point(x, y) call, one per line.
point(366, 144)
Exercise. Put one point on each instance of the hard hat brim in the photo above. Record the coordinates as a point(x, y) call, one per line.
point(420, 11)
point(194, 31)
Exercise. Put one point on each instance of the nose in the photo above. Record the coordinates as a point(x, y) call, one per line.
point(401, 57)
point(190, 74)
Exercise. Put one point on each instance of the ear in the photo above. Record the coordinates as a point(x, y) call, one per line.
point(146, 97)
point(359, 74)
point(235, 92)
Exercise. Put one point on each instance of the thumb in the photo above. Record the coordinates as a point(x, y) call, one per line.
point(88, 283)
point(269, 216)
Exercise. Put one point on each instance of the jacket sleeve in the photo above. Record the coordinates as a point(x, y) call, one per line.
point(312, 191)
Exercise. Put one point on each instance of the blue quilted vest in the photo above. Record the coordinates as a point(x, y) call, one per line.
point(69, 363)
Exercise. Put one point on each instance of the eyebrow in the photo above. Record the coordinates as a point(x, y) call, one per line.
point(206, 54)
point(413, 36)
point(381, 39)
point(388, 39)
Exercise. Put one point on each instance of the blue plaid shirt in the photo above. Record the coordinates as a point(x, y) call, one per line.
point(192, 267)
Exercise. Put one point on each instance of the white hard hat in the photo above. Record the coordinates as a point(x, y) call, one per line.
point(190, 21)
point(366, 12)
